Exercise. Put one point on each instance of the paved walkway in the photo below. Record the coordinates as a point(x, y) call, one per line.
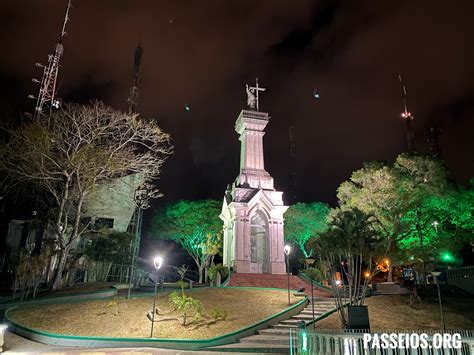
point(15, 344)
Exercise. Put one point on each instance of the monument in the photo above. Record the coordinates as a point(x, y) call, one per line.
point(252, 210)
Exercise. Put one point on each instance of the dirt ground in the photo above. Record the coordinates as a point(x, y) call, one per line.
point(120, 317)
point(394, 312)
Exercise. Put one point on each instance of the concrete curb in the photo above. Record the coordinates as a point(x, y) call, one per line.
point(178, 344)
point(106, 293)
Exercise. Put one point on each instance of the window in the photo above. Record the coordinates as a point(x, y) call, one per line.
point(101, 223)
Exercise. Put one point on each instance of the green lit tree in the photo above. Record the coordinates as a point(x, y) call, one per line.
point(446, 224)
point(304, 221)
point(194, 225)
point(387, 192)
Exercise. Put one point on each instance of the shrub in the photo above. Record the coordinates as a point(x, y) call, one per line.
point(186, 306)
point(314, 274)
point(219, 268)
point(217, 314)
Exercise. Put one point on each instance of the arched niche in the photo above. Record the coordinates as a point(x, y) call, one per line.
point(259, 243)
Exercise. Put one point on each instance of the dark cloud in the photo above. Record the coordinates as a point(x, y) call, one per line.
point(201, 53)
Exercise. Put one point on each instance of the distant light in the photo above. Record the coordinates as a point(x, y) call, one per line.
point(158, 261)
point(367, 275)
point(338, 282)
point(287, 249)
point(187, 108)
point(316, 94)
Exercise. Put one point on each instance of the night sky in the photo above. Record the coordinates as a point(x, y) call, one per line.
point(202, 53)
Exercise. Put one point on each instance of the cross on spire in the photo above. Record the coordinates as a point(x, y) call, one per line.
point(252, 95)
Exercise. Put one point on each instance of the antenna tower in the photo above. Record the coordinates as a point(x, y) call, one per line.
point(433, 139)
point(46, 99)
point(408, 118)
point(137, 218)
point(133, 95)
point(291, 156)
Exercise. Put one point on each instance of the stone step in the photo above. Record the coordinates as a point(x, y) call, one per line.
point(283, 339)
point(310, 314)
point(322, 301)
point(254, 348)
point(305, 317)
point(318, 308)
point(274, 331)
point(284, 326)
point(292, 321)
point(316, 311)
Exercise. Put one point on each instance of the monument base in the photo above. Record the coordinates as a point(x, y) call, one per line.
point(245, 267)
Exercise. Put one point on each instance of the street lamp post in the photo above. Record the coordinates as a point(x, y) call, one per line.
point(435, 276)
point(157, 262)
point(287, 250)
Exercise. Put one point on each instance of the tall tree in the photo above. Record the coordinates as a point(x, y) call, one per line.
point(304, 221)
point(195, 225)
point(388, 192)
point(75, 149)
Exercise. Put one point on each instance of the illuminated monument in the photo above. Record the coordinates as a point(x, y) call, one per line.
point(252, 210)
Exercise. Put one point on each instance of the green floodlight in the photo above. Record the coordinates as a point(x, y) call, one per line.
point(447, 256)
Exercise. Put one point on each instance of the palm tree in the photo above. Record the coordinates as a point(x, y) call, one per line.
point(348, 245)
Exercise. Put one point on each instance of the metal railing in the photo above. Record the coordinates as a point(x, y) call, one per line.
point(121, 274)
point(351, 342)
point(460, 272)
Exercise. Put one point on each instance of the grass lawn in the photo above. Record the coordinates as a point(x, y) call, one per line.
point(120, 317)
point(393, 312)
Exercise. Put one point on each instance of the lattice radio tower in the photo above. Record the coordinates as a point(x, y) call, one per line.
point(408, 118)
point(133, 95)
point(291, 164)
point(46, 99)
point(434, 134)
point(137, 219)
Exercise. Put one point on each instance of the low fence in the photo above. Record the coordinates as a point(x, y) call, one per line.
point(462, 277)
point(460, 272)
point(351, 342)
